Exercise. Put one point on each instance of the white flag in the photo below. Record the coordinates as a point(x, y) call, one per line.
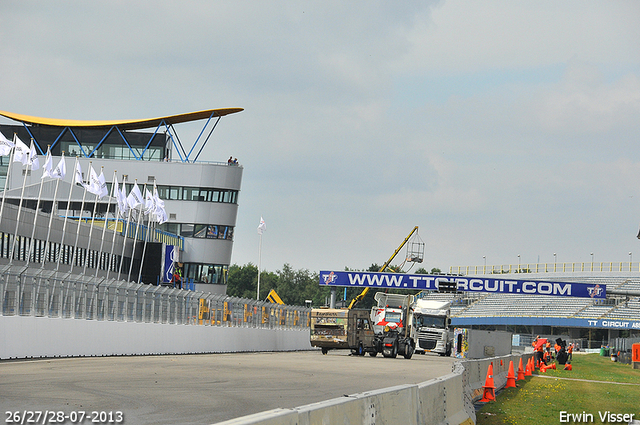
point(149, 204)
point(160, 211)
point(5, 145)
point(61, 169)
point(121, 198)
point(94, 183)
point(262, 226)
point(47, 168)
point(33, 160)
point(102, 183)
point(21, 153)
point(135, 197)
point(77, 178)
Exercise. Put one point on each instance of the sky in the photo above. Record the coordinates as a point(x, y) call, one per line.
point(507, 131)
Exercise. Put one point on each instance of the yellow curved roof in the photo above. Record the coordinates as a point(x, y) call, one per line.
point(123, 124)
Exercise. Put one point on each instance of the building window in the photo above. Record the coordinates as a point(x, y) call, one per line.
point(206, 273)
point(190, 230)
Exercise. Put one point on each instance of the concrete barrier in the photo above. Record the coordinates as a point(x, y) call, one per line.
point(445, 400)
point(28, 337)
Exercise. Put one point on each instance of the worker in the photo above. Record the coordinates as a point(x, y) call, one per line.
point(570, 351)
point(538, 350)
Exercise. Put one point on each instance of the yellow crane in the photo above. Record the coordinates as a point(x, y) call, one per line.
point(415, 256)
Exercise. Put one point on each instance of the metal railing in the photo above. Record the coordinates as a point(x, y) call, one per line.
point(621, 266)
point(79, 297)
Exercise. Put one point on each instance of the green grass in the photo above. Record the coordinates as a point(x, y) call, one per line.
point(539, 400)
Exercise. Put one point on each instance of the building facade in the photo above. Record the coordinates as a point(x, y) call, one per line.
point(201, 197)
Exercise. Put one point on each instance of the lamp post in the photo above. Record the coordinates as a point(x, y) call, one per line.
point(484, 271)
point(554, 262)
point(592, 261)
point(630, 260)
point(518, 263)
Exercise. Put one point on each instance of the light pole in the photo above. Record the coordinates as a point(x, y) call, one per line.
point(518, 263)
point(630, 260)
point(554, 262)
point(592, 261)
point(484, 271)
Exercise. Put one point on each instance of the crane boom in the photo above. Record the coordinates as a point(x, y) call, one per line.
point(361, 295)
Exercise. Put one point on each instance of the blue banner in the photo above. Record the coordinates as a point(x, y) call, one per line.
point(547, 321)
point(498, 285)
point(170, 258)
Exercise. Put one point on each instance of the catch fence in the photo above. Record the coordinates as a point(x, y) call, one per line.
point(45, 294)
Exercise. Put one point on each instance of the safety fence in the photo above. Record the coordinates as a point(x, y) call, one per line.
point(613, 266)
point(45, 294)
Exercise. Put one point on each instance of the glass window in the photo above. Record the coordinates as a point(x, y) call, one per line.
point(186, 230)
point(175, 192)
point(171, 228)
point(222, 232)
point(163, 192)
point(212, 232)
point(230, 233)
point(187, 193)
point(199, 230)
point(206, 273)
point(226, 196)
point(215, 196)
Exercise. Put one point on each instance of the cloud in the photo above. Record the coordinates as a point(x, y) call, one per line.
point(497, 127)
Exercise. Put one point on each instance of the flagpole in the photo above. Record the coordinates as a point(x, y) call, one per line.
point(15, 235)
point(35, 215)
point(6, 183)
point(259, 265)
point(115, 229)
point(66, 216)
point(93, 219)
point(135, 239)
point(53, 204)
point(106, 223)
point(75, 245)
point(147, 235)
point(124, 243)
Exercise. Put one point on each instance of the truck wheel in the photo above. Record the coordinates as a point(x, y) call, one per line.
point(373, 353)
point(325, 350)
point(387, 351)
point(394, 352)
point(408, 350)
point(360, 350)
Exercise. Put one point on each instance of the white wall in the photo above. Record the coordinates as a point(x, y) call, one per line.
point(26, 336)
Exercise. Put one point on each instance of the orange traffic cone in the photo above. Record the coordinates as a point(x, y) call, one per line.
point(543, 368)
point(520, 371)
point(500, 362)
point(551, 366)
point(568, 366)
point(511, 377)
point(527, 372)
point(489, 387)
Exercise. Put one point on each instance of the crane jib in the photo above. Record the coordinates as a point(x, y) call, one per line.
point(461, 283)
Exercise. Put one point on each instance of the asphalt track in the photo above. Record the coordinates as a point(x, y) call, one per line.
point(201, 389)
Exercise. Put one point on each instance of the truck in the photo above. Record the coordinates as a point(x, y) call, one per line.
point(393, 325)
point(431, 319)
point(333, 328)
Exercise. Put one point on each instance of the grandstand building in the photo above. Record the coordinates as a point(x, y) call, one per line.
point(201, 198)
point(593, 322)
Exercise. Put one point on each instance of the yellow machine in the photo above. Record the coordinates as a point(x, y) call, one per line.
point(415, 254)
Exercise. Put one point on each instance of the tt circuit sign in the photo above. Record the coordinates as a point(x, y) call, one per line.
point(461, 283)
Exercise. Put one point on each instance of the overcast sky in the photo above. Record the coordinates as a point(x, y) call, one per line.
point(500, 128)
